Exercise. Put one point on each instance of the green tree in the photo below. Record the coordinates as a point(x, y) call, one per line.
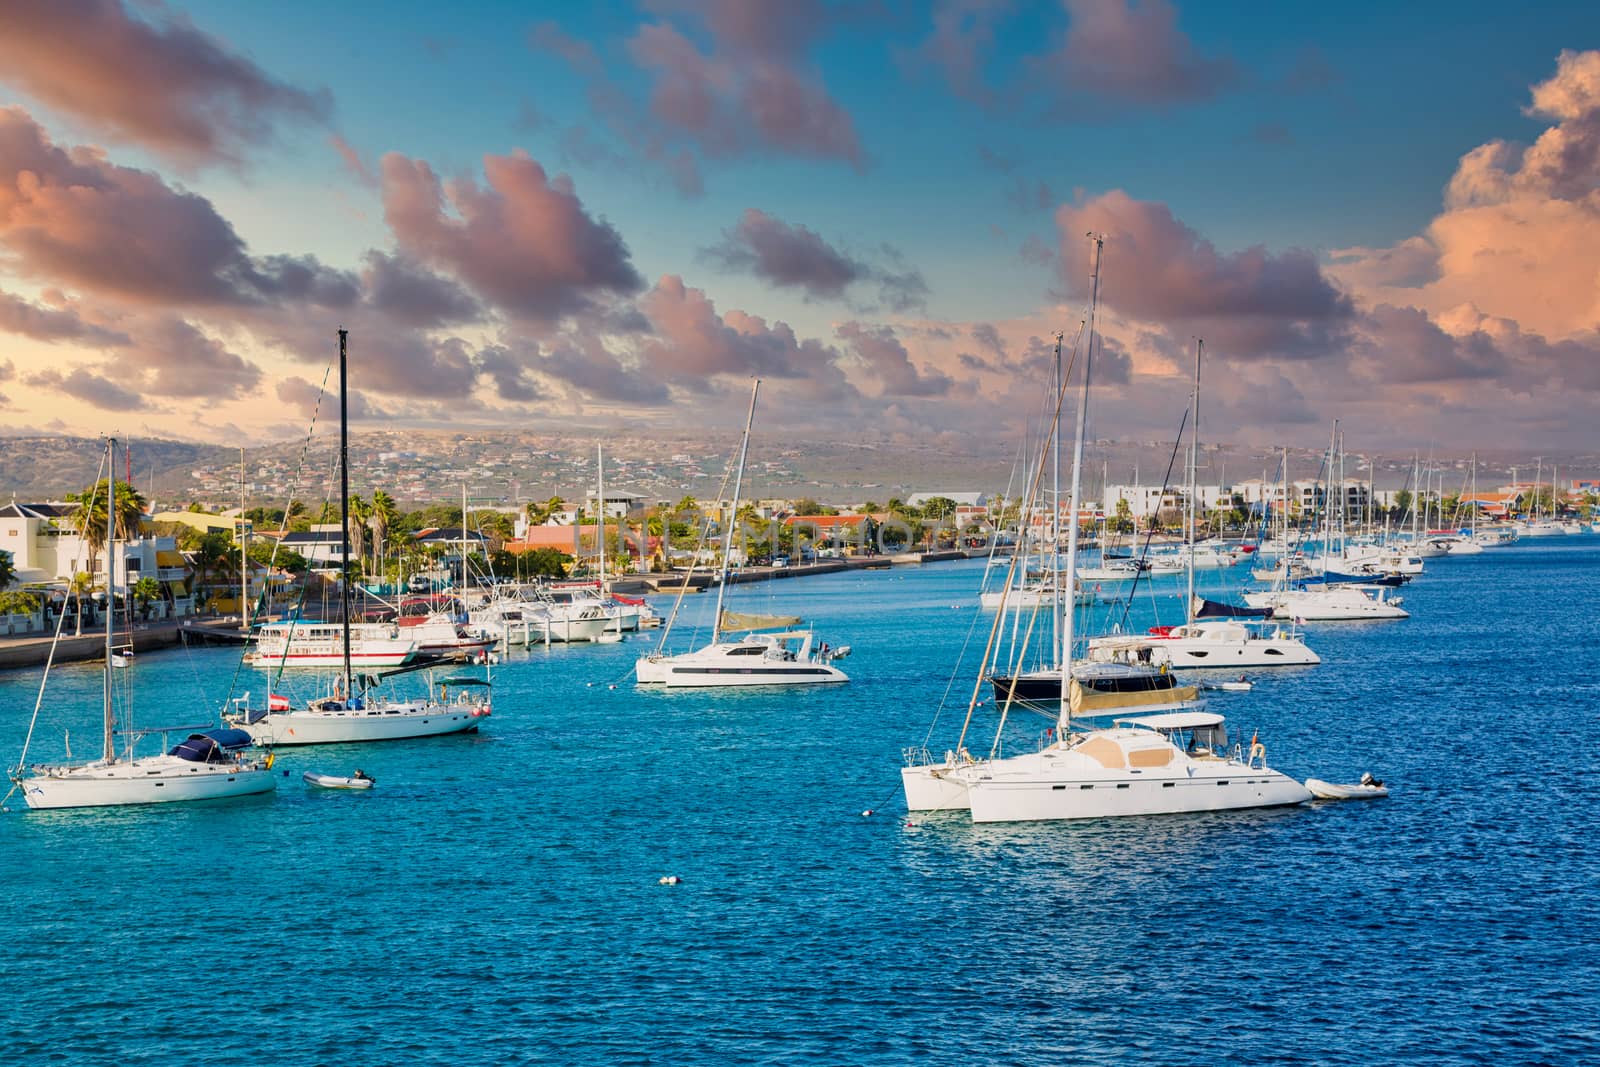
point(18, 602)
point(90, 516)
point(81, 585)
point(8, 569)
point(145, 591)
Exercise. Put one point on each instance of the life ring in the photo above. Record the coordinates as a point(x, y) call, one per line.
point(1258, 751)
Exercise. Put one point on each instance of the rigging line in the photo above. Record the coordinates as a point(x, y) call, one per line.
point(1033, 492)
point(1144, 552)
point(61, 619)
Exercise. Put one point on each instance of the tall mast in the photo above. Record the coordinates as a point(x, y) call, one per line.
point(244, 555)
point(1327, 500)
point(1194, 459)
point(344, 511)
point(1064, 715)
point(1055, 521)
point(461, 590)
point(733, 517)
point(600, 461)
point(111, 589)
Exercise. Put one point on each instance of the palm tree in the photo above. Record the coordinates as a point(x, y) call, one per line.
point(360, 511)
point(81, 583)
point(539, 514)
point(145, 590)
point(385, 514)
point(212, 551)
point(90, 516)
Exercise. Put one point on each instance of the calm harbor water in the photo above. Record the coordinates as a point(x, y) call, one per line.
point(495, 898)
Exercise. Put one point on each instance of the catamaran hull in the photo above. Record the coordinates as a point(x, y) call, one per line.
point(376, 724)
point(139, 783)
point(933, 787)
point(1226, 788)
point(685, 676)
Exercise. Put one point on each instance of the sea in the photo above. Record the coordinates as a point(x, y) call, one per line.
point(497, 897)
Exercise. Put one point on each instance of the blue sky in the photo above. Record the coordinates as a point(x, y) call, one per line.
point(1239, 151)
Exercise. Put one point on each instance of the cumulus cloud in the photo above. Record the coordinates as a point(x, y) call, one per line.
point(26, 319)
point(880, 351)
point(171, 357)
point(83, 384)
point(1518, 239)
point(414, 295)
point(155, 80)
point(1129, 52)
point(73, 218)
point(524, 243)
point(1248, 304)
point(691, 342)
point(794, 256)
point(1112, 53)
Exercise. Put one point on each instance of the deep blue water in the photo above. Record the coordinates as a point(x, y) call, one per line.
point(495, 898)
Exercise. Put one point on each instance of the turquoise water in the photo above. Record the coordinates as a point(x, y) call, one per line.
point(495, 898)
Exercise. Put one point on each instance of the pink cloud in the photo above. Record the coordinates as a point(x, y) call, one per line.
point(158, 81)
point(524, 243)
point(691, 343)
point(352, 160)
point(1130, 52)
point(73, 218)
point(18, 316)
point(736, 103)
point(93, 389)
point(1248, 304)
point(884, 356)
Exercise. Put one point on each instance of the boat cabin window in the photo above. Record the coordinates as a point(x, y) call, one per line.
point(746, 650)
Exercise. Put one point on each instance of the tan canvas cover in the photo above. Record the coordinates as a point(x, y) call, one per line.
point(1088, 702)
point(733, 620)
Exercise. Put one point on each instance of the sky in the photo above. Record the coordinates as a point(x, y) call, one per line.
point(532, 215)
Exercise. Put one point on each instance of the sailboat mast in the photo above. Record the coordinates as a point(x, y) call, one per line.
point(733, 517)
point(344, 510)
point(600, 463)
point(1055, 522)
point(1194, 458)
point(1327, 499)
point(111, 588)
point(1064, 716)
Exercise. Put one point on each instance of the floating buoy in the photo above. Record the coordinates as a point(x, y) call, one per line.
point(608, 687)
point(669, 879)
point(586, 685)
point(910, 825)
point(866, 813)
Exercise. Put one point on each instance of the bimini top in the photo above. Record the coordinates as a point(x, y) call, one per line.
point(210, 746)
point(464, 682)
point(1174, 720)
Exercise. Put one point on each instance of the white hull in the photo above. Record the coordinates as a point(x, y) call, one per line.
point(1334, 604)
point(565, 631)
point(153, 780)
point(1341, 791)
point(754, 660)
point(1027, 598)
point(375, 722)
point(335, 781)
point(330, 659)
point(933, 787)
point(1211, 646)
point(1031, 789)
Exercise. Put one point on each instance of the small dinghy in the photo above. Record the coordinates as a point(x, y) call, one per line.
point(1369, 788)
point(359, 780)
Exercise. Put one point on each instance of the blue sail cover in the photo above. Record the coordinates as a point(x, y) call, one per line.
point(1336, 578)
point(210, 746)
point(1211, 609)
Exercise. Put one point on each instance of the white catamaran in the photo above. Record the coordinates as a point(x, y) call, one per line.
point(1146, 765)
point(788, 657)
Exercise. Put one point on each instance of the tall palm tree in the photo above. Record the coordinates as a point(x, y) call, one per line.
point(360, 511)
point(385, 514)
point(90, 516)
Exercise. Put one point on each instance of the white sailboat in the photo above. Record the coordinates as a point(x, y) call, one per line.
point(1145, 765)
point(206, 765)
point(351, 712)
point(303, 643)
point(789, 657)
point(1227, 642)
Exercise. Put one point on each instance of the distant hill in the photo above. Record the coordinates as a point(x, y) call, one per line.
point(512, 467)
